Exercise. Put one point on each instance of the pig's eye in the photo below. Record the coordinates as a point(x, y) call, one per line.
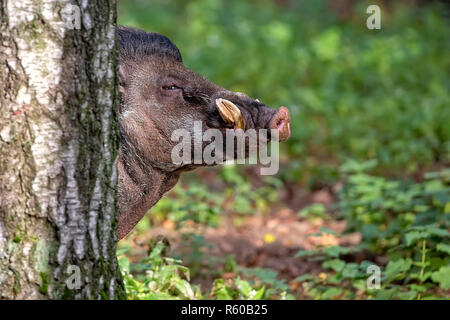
point(171, 87)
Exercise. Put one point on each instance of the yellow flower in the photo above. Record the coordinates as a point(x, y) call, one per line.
point(322, 276)
point(269, 238)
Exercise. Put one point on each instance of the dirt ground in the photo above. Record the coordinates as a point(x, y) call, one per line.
point(258, 241)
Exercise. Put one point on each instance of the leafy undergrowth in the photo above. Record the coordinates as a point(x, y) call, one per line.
point(404, 248)
point(167, 278)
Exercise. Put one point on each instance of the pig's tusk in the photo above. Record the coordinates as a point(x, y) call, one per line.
point(226, 115)
point(239, 122)
point(230, 113)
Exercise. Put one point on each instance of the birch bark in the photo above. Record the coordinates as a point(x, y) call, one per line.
point(58, 150)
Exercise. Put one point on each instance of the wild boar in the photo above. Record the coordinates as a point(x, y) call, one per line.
point(159, 95)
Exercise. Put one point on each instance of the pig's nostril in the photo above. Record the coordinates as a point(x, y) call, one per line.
point(280, 121)
point(280, 124)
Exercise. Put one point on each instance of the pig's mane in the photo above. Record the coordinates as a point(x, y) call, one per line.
point(137, 44)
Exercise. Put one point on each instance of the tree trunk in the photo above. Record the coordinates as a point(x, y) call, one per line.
point(58, 150)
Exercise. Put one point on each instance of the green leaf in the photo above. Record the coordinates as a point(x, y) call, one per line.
point(335, 264)
point(443, 248)
point(442, 277)
point(408, 295)
point(422, 278)
point(305, 277)
point(124, 264)
point(184, 288)
point(221, 291)
point(447, 208)
point(335, 251)
point(257, 295)
point(331, 292)
point(385, 294)
point(395, 268)
point(314, 209)
point(413, 236)
point(243, 287)
point(305, 253)
point(437, 262)
point(437, 231)
point(122, 250)
point(418, 287)
point(350, 270)
point(327, 231)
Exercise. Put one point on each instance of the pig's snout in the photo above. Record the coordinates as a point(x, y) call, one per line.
point(280, 122)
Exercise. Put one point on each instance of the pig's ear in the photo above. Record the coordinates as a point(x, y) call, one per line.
point(123, 78)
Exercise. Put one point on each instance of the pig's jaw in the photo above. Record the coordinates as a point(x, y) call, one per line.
point(138, 192)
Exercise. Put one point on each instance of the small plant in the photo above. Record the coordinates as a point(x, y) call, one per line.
point(236, 289)
point(195, 203)
point(406, 222)
point(314, 211)
point(162, 278)
point(242, 198)
point(382, 210)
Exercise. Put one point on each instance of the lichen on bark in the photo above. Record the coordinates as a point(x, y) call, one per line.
point(58, 147)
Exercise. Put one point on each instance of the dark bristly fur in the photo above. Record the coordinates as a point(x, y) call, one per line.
point(137, 44)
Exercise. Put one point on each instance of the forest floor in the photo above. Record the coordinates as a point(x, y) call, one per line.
point(269, 241)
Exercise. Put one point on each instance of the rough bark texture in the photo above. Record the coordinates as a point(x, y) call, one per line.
point(58, 150)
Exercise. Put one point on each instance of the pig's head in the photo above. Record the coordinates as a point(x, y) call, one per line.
point(158, 96)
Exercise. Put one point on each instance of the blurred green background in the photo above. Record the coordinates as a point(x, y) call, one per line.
point(352, 92)
point(370, 115)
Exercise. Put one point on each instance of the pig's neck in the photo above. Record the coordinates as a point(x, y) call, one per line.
point(139, 190)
